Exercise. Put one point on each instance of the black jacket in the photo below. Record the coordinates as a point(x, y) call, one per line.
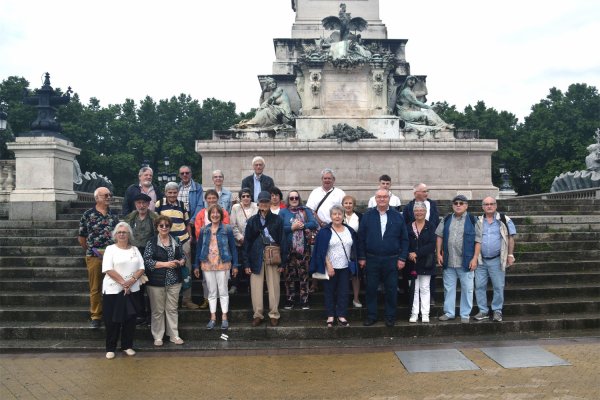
point(424, 246)
point(266, 183)
point(253, 245)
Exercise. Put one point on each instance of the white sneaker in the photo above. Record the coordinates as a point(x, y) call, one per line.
point(413, 318)
point(110, 355)
point(177, 340)
point(129, 352)
point(158, 342)
point(425, 319)
point(356, 304)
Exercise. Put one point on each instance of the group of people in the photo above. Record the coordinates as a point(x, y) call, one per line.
point(255, 235)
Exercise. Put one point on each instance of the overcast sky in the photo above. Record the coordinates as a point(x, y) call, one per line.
point(508, 53)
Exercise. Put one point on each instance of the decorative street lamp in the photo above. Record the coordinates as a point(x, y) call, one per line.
point(166, 176)
point(505, 189)
point(3, 117)
point(45, 98)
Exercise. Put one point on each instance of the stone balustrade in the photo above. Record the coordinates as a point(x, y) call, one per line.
point(7, 184)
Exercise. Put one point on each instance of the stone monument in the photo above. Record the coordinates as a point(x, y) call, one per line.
point(587, 179)
point(43, 162)
point(342, 96)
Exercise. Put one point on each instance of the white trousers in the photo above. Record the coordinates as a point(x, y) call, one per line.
point(421, 295)
point(216, 283)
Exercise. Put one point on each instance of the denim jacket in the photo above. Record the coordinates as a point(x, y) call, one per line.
point(225, 242)
point(225, 200)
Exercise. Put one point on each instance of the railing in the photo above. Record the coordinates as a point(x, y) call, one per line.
point(7, 176)
point(584, 194)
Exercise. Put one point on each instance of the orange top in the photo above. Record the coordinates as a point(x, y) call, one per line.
point(201, 220)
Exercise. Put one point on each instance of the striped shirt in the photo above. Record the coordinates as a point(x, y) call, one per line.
point(180, 218)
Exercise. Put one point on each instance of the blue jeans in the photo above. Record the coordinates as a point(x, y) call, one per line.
point(382, 270)
point(491, 269)
point(466, 291)
point(336, 293)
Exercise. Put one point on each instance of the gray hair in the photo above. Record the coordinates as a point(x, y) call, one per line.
point(258, 158)
point(219, 172)
point(171, 186)
point(419, 204)
point(144, 169)
point(327, 171)
point(129, 231)
point(418, 185)
point(338, 208)
point(98, 189)
point(186, 166)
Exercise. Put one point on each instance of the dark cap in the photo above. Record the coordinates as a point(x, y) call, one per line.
point(460, 197)
point(264, 196)
point(143, 197)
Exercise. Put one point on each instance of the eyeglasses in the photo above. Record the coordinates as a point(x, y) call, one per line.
point(105, 196)
point(164, 226)
point(218, 177)
point(459, 203)
point(294, 198)
point(245, 196)
point(489, 204)
point(122, 233)
point(423, 191)
point(185, 173)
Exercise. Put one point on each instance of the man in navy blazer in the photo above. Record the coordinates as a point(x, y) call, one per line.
point(382, 252)
point(258, 182)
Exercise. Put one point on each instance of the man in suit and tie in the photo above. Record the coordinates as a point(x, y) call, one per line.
point(258, 182)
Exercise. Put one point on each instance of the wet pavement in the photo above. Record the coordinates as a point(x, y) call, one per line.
point(351, 373)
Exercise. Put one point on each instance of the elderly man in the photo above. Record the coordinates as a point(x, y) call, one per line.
point(258, 182)
point(190, 192)
point(95, 234)
point(385, 182)
point(321, 199)
point(225, 196)
point(382, 251)
point(497, 245)
point(142, 225)
point(457, 247)
point(421, 193)
point(182, 230)
point(143, 186)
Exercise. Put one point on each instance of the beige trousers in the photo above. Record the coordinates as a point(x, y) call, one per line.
point(163, 303)
point(94, 269)
point(272, 276)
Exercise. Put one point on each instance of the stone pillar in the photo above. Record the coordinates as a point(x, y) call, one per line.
point(44, 177)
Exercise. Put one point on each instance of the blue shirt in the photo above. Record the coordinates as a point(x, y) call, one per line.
point(256, 187)
point(491, 239)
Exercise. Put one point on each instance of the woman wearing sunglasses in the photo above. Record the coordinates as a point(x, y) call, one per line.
point(240, 214)
point(164, 258)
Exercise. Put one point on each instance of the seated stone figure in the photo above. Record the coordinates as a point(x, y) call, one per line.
point(274, 110)
point(418, 116)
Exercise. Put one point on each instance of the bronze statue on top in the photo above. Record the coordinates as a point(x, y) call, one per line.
point(345, 23)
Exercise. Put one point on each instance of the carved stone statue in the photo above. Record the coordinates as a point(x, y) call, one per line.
point(274, 109)
point(590, 178)
point(342, 43)
point(417, 115)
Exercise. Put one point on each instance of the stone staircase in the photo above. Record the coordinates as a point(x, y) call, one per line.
point(553, 290)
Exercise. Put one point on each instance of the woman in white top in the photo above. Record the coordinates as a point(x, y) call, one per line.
point(123, 265)
point(240, 214)
point(352, 219)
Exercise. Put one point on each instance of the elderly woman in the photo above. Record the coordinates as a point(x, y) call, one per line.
point(240, 214)
point(123, 265)
point(164, 258)
point(225, 196)
point(298, 221)
point(421, 260)
point(335, 249)
point(216, 254)
point(276, 197)
point(352, 219)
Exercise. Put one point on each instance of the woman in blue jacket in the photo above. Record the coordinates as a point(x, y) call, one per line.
point(335, 250)
point(298, 221)
point(216, 254)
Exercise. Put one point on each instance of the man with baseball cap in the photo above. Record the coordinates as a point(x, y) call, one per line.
point(458, 246)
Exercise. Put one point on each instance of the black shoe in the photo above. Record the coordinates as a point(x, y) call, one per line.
point(140, 321)
point(306, 306)
point(95, 324)
point(289, 305)
point(369, 322)
point(390, 323)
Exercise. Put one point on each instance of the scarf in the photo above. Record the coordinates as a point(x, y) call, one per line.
point(297, 235)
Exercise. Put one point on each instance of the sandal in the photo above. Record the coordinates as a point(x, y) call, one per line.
point(330, 323)
point(343, 322)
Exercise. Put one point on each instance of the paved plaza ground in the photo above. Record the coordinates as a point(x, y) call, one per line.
point(357, 373)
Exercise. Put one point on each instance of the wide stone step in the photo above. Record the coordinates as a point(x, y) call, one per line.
point(45, 273)
point(37, 241)
point(514, 292)
point(566, 227)
point(523, 246)
point(311, 330)
point(557, 236)
point(554, 266)
point(80, 283)
point(563, 255)
point(49, 251)
point(28, 232)
point(42, 261)
point(22, 224)
point(316, 313)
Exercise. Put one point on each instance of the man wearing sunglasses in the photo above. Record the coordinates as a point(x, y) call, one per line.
point(458, 246)
point(497, 245)
point(190, 192)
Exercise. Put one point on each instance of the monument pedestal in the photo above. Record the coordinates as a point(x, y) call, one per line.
point(448, 167)
point(44, 177)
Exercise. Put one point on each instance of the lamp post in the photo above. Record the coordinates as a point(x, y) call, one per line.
point(506, 191)
point(165, 176)
point(3, 117)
